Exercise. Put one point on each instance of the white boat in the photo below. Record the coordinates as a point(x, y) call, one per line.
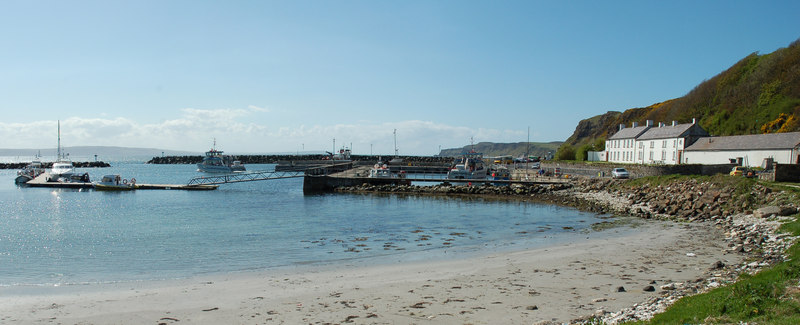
point(62, 170)
point(381, 170)
point(216, 162)
point(29, 172)
point(468, 166)
point(115, 183)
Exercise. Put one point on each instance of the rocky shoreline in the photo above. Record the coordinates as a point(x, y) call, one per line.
point(749, 219)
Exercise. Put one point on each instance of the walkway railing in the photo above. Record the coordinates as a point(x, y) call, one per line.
point(243, 177)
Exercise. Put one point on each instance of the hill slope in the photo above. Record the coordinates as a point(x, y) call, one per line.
point(758, 94)
point(489, 149)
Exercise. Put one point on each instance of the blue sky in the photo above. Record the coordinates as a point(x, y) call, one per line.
point(268, 76)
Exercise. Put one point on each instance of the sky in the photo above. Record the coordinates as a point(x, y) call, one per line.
point(311, 76)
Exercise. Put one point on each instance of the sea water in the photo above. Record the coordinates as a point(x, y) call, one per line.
point(61, 236)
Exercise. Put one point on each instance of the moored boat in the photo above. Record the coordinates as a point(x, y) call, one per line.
point(29, 172)
point(468, 166)
point(215, 162)
point(381, 170)
point(501, 174)
point(63, 170)
point(115, 183)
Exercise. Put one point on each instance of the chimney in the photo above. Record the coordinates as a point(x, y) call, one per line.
point(674, 123)
point(635, 124)
point(649, 122)
point(621, 126)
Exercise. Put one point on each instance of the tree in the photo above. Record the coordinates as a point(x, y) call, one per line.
point(565, 152)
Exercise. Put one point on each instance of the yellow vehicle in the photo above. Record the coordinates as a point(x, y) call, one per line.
point(738, 171)
point(504, 160)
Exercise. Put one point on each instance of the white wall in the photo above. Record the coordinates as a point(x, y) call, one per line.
point(752, 158)
point(670, 151)
point(596, 156)
point(620, 151)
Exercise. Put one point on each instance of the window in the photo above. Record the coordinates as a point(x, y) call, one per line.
point(664, 144)
point(664, 154)
point(674, 144)
point(651, 154)
point(641, 145)
point(641, 154)
point(652, 144)
point(673, 156)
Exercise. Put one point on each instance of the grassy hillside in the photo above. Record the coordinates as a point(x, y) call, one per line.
point(758, 94)
point(514, 149)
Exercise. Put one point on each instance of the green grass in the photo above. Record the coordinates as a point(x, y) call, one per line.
point(769, 297)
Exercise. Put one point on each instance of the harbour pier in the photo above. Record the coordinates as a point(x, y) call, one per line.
point(42, 181)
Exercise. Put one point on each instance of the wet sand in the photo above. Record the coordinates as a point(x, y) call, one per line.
point(558, 283)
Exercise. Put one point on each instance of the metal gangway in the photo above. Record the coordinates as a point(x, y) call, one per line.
point(244, 177)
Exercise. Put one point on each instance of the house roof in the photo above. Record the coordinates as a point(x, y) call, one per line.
point(629, 133)
point(745, 142)
point(668, 131)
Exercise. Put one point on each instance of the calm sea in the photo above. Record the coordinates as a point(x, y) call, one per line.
point(59, 236)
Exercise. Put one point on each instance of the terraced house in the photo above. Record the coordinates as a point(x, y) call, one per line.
point(650, 144)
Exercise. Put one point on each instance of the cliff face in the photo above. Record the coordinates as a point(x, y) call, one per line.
point(758, 94)
point(600, 126)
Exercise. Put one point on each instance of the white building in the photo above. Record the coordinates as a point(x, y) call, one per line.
point(649, 144)
point(620, 147)
point(665, 144)
point(751, 150)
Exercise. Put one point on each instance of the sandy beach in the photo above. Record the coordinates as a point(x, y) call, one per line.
point(553, 284)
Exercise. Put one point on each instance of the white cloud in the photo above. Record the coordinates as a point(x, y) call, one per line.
point(255, 108)
point(234, 132)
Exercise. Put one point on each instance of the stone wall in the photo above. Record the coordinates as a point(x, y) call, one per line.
point(594, 170)
point(787, 173)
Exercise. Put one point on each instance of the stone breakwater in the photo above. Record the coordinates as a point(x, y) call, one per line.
point(749, 219)
point(85, 164)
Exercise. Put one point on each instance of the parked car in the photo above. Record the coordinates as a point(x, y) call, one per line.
point(743, 171)
point(618, 173)
point(738, 171)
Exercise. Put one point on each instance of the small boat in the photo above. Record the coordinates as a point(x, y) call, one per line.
point(468, 166)
point(61, 169)
point(216, 162)
point(115, 183)
point(501, 174)
point(381, 170)
point(29, 172)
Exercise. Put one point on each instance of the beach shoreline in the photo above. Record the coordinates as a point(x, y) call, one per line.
point(558, 284)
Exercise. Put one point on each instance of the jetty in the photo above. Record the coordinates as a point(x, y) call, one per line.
point(42, 181)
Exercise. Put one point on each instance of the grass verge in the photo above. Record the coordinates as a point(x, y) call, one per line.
point(770, 297)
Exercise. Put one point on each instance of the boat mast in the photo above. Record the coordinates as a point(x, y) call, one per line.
point(58, 154)
point(395, 143)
